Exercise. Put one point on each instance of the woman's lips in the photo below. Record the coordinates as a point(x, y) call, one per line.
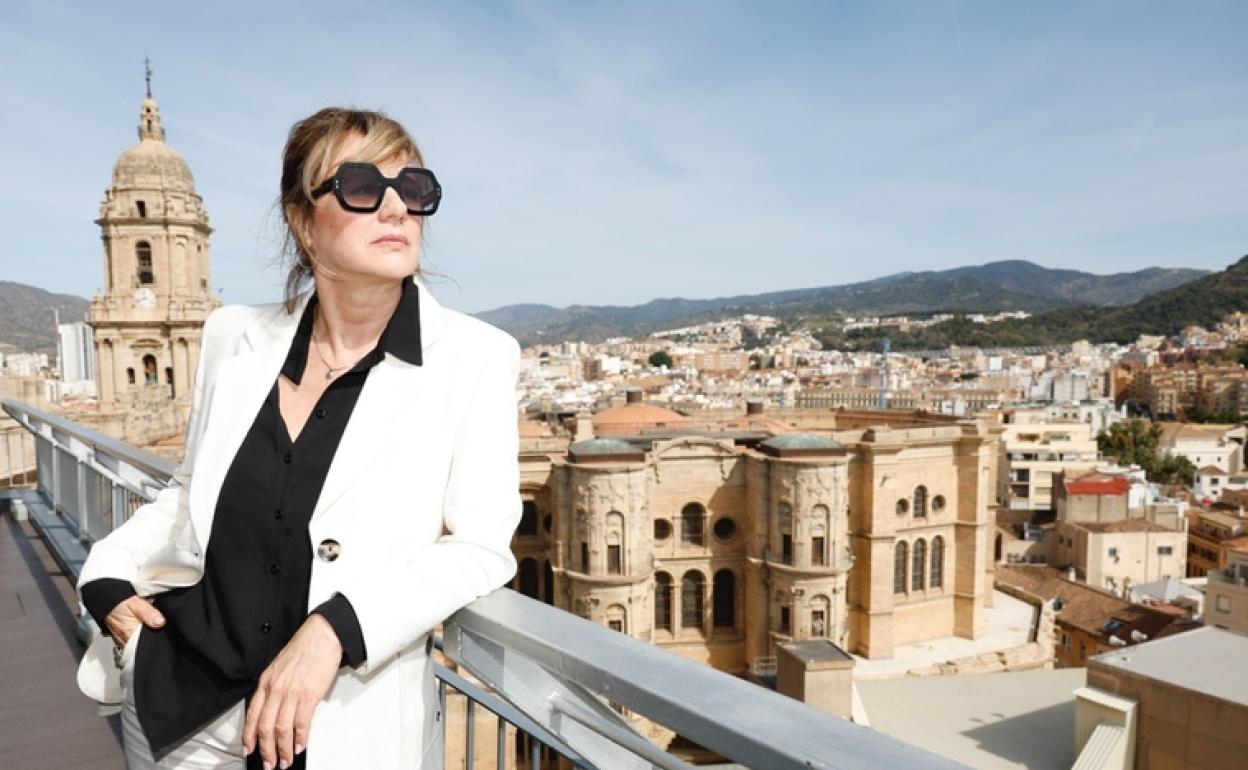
point(397, 239)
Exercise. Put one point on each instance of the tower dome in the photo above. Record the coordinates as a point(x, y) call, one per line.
point(151, 164)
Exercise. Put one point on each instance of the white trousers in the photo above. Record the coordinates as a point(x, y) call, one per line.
point(218, 746)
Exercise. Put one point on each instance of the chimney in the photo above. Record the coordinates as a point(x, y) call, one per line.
point(584, 429)
point(753, 406)
point(632, 396)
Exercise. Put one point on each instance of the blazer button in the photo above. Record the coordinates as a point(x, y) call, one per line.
point(328, 550)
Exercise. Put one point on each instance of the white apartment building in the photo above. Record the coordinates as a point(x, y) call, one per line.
point(75, 352)
point(1033, 451)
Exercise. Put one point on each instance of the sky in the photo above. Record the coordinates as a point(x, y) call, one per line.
point(600, 153)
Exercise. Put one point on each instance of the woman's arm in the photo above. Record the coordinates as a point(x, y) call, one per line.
point(480, 511)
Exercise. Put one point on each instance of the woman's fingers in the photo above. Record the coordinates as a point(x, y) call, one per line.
point(145, 612)
point(284, 730)
point(303, 720)
point(126, 617)
point(253, 718)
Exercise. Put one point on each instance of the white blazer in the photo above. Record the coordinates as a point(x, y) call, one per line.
point(422, 496)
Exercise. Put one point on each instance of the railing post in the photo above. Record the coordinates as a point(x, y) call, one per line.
point(118, 504)
point(56, 475)
point(84, 505)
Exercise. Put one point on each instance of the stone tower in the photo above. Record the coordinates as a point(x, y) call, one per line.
point(156, 294)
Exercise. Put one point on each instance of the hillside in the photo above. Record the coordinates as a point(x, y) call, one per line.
point(26, 318)
point(1203, 302)
point(997, 286)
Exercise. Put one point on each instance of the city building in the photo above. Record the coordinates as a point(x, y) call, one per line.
point(1089, 620)
point(1212, 535)
point(1177, 702)
point(722, 543)
point(1034, 449)
point(1226, 594)
point(1108, 543)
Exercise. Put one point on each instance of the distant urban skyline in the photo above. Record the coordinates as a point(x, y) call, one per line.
point(610, 155)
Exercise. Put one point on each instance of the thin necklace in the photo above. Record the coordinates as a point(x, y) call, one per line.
point(329, 375)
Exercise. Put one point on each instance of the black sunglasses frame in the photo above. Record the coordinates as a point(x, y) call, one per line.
point(334, 183)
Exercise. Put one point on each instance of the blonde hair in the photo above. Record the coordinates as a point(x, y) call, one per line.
point(307, 159)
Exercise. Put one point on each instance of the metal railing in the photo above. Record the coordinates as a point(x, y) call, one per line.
point(559, 681)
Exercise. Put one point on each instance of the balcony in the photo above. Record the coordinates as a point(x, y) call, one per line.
point(1234, 574)
point(560, 684)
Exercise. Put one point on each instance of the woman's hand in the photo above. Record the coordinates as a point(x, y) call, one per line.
point(127, 616)
point(289, 690)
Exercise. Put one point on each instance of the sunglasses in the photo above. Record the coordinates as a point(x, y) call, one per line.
point(361, 187)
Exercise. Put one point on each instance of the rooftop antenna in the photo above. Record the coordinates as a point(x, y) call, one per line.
point(884, 377)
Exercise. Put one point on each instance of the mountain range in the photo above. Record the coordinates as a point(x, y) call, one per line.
point(996, 286)
point(1068, 300)
point(1202, 302)
point(27, 321)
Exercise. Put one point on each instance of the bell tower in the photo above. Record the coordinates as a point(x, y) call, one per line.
point(147, 320)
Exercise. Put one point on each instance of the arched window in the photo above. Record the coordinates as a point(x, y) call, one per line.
point(784, 516)
point(820, 612)
point(938, 562)
point(693, 524)
point(919, 577)
point(130, 374)
point(528, 578)
point(820, 522)
point(169, 381)
point(920, 501)
point(723, 601)
point(901, 563)
point(548, 583)
point(142, 206)
point(663, 601)
point(615, 543)
point(617, 618)
point(691, 603)
point(149, 370)
point(528, 520)
point(143, 258)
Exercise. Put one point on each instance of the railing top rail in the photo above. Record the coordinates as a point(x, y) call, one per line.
point(155, 465)
point(733, 717)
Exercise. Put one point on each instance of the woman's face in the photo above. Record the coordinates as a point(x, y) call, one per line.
point(381, 244)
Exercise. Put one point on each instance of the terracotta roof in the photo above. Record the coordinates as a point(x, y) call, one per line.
point(1089, 609)
point(1097, 484)
point(1124, 525)
point(1211, 470)
point(631, 418)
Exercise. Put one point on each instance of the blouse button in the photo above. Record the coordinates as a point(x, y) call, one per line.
point(320, 412)
point(286, 458)
point(274, 569)
point(265, 628)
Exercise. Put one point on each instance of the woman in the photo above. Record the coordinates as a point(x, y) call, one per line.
point(350, 480)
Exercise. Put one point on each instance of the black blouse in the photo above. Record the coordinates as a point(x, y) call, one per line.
point(221, 633)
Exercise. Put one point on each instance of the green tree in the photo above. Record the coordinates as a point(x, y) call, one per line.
point(661, 358)
point(1132, 442)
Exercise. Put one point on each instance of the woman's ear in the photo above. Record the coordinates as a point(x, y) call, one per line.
point(300, 226)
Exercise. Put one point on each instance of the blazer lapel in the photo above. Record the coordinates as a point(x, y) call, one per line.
point(376, 423)
point(242, 382)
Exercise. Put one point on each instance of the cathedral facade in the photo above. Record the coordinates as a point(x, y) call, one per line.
point(721, 543)
point(148, 318)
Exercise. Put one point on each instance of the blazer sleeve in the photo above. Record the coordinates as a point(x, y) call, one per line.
point(121, 553)
point(480, 512)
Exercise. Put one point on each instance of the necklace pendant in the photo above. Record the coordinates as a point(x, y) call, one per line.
point(329, 375)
